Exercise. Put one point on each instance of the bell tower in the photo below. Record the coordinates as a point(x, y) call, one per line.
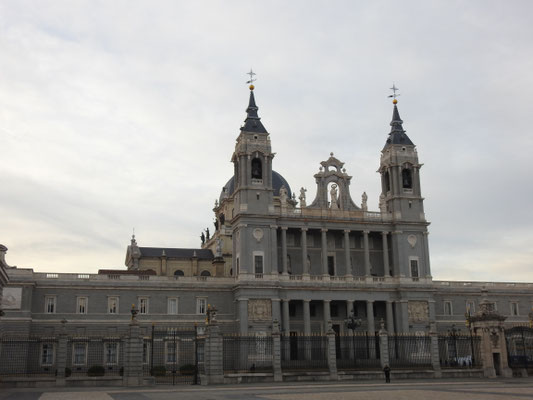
point(400, 174)
point(252, 160)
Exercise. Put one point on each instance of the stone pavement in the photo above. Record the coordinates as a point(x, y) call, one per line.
point(497, 389)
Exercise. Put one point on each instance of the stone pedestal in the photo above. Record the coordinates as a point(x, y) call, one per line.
point(214, 368)
point(133, 360)
point(383, 347)
point(331, 353)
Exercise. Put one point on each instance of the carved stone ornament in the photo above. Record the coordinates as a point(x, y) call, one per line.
point(259, 309)
point(411, 239)
point(258, 234)
point(418, 311)
point(12, 298)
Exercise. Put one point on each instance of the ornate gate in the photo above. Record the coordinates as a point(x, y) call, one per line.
point(520, 347)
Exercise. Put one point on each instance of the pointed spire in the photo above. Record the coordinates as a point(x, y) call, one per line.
point(397, 134)
point(252, 123)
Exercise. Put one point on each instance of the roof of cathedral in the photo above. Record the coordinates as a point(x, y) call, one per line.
point(252, 123)
point(277, 182)
point(397, 134)
point(172, 252)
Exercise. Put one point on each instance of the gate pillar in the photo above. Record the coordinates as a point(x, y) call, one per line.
point(488, 324)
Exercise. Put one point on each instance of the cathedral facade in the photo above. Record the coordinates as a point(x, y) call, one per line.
point(276, 257)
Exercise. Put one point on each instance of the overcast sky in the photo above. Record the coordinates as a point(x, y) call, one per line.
point(122, 114)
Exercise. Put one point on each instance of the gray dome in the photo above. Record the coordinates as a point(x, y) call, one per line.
point(277, 182)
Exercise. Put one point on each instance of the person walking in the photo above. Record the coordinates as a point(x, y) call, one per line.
point(386, 370)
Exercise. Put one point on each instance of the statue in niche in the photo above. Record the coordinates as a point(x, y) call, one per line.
point(202, 236)
point(364, 199)
point(222, 219)
point(382, 204)
point(333, 194)
point(283, 195)
point(215, 222)
point(302, 197)
point(207, 233)
point(218, 248)
point(308, 263)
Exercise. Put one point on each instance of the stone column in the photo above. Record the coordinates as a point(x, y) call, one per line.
point(347, 258)
point(324, 252)
point(61, 363)
point(425, 263)
point(276, 310)
point(327, 313)
point(304, 252)
point(276, 352)
point(431, 311)
point(286, 321)
point(274, 251)
point(383, 347)
point(386, 266)
point(332, 352)
point(133, 369)
point(435, 357)
point(284, 249)
point(390, 316)
point(370, 317)
point(307, 317)
point(367, 253)
point(214, 367)
point(349, 308)
point(243, 316)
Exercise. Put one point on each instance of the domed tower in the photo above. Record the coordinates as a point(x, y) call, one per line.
point(402, 202)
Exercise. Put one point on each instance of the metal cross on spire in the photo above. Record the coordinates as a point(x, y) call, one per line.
point(394, 90)
point(252, 74)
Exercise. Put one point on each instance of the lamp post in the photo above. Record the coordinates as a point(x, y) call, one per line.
point(134, 312)
point(353, 323)
point(453, 334)
point(468, 319)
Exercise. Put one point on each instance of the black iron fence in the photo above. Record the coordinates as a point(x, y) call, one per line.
point(95, 356)
point(30, 357)
point(247, 354)
point(520, 347)
point(170, 356)
point(304, 352)
point(358, 351)
point(409, 351)
point(459, 351)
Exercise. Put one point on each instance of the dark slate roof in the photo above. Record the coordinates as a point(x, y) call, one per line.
point(397, 135)
point(252, 123)
point(277, 182)
point(202, 254)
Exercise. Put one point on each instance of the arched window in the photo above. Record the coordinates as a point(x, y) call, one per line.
point(205, 273)
point(407, 180)
point(179, 272)
point(257, 169)
point(386, 178)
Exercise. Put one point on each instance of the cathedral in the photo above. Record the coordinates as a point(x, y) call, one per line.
point(275, 257)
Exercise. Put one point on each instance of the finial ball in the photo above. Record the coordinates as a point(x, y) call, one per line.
point(252, 87)
point(394, 101)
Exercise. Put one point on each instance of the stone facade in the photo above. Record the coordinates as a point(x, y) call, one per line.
point(305, 265)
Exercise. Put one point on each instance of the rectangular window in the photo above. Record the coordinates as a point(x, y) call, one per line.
point(331, 265)
point(414, 268)
point(112, 305)
point(470, 307)
point(514, 309)
point(201, 305)
point(258, 263)
point(448, 308)
point(172, 306)
point(47, 354)
point(79, 353)
point(312, 310)
point(292, 309)
point(171, 352)
point(334, 310)
point(50, 304)
point(81, 305)
point(143, 305)
point(111, 353)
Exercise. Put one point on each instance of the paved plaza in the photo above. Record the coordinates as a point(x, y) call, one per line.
point(429, 390)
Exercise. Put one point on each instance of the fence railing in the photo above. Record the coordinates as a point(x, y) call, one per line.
point(520, 347)
point(31, 357)
point(95, 356)
point(459, 351)
point(247, 354)
point(360, 351)
point(409, 351)
point(304, 352)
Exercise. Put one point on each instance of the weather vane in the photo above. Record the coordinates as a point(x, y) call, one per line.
point(394, 90)
point(252, 79)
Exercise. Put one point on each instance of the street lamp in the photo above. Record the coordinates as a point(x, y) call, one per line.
point(353, 323)
point(453, 334)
